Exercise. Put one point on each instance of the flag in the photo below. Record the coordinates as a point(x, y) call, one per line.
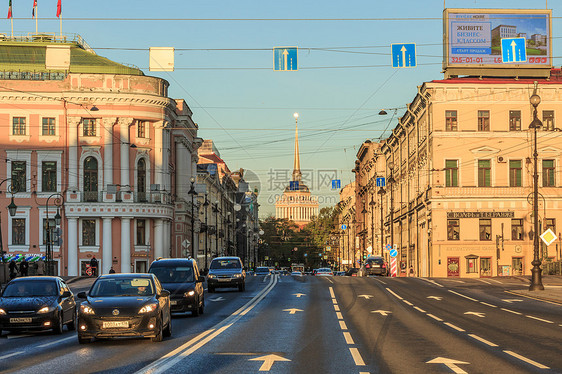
point(10, 9)
point(33, 10)
point(59, 8)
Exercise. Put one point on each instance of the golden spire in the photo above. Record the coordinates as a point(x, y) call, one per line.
point(297, 164)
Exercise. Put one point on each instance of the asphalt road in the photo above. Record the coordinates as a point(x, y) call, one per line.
point(285, 324)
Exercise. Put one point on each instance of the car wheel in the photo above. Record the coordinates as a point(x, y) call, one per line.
point(72, 324)
point(159, 335)
point(168, 330)
point(195, 311)
point(82, 340)
point(59, 326)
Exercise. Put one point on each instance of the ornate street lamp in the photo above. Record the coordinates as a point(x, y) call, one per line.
point(216, 211)
point(49, 247)
point(193, 193)
point(391, 210)
point(12, 211)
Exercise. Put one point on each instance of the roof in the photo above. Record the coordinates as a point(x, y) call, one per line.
point(555, 78)
point(30, 56)
point(172, 261)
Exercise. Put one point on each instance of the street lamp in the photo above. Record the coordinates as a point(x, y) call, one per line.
point(391, 187)
point(49, 248)
point(228, 222)
point(193, 193)
point(12, 211)
point(206, 204)
point(216, 210)
point(381, 192)
point(536, 276)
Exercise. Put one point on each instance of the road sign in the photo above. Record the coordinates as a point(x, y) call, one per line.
point(388, 247)
point(403, 55)
point(548, 237)
point(336, 184)
point(285, 58)
point(343, 227)
point(514, 50)
point(393, 253)
point(294, 185)
point(381, 182)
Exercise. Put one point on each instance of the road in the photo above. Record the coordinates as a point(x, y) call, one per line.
point(285, 324)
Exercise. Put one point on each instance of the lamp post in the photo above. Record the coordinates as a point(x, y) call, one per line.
point(364, 231)
point(536, 276)
point(193, 193)
point(49, 252)
point(228, 222)
point(381, 192)
point(216, 210)
point(12, 207)
point(391, 187)
point(206, 204)
point(372, 205)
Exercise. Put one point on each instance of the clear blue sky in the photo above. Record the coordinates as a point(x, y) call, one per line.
point(245, 106)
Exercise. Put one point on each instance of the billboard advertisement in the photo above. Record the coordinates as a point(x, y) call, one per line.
point(473, 37)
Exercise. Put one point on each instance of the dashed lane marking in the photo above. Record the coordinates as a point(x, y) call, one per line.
point(483, 281)
point(490, 305)
point(395, 295)
point(343, 326)
point(461, 295)
point(332, 293)
point(454, 326)
point(378, 280)
point(527, 360)
point(336, 307)
point(511, 311)
point(357, 357)
point(407, 302)
point(338, 314)
point(10, 355)
point(487, 342)
point(434, 317)
point(432, 282)
point(334, 301)
point(348, 338)
point(539, 319)
point(419, 309)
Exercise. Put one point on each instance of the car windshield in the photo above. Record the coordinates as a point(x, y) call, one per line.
point(226, 264)
point(31, 289)
point(173, 274)
point(262, 270)
point(378, 261)
point(122, 287)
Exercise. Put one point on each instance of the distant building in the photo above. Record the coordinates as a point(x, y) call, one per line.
point(539, 39)
point(504, 31)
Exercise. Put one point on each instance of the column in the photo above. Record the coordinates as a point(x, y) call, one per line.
point(157, 243)
point(183, 170)
point(125, 149)
point(108, 154)
point(125, 245)
point(107, 254)
point(158, 152)
point(72, 247)
point(166, 239)
point(72, 132)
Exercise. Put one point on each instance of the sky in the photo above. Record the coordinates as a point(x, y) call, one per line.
point(224, 71)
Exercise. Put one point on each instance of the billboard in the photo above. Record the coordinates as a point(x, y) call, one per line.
point(472, 37)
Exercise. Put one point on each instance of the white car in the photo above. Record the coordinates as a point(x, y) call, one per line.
point(296, 274)
point(324, 272)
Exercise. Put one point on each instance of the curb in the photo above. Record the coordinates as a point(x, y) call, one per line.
point(537, 297)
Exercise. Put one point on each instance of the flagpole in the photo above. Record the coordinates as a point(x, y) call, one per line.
point(36, 21)
point(60, 21)
point(12, 22)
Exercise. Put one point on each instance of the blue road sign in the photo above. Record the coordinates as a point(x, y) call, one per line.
point(294, 185)
point(393, 253)
point(388, 247)
point(514, 50)
point(381, 182)
point(285, 58)
point(403, 55)
point(336, 184)
point(343, 227)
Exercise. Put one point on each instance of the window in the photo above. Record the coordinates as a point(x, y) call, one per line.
point(18, 231)
point(141, 129)
point(453, 229)
point(484, 170)
point(514, 120)
point(472, 264)
point(49, 176)
point(450, 120)
point(19, 176)
point(548, 119)
point(48, 126)
point(485, 229)
point(141, 180)
point(89, 125)
point(18, 126)
point(548, 173)
point(451, 173)
point(91, 179)
point(141, 232)
point(515, 173)
point(483, 120)
point(89, 232)
point(52, 223)
point(516, 229)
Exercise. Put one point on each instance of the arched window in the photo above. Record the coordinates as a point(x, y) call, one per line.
point(91, 179)
point(141, 180)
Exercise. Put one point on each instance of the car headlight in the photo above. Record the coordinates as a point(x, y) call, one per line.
point(211, 276)
point(45, 309)
point(237, 275)
point(148, 308)
point(189, 293)
point(86, 309)
point(2, 312)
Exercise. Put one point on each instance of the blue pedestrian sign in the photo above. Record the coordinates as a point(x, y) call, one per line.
point(403, 55)
point(381, 182)
point(393, 253)
point(294, 185)
point(514, 50)
point(336, 184)
point(343, 227)
point(388, 247)
point(285, 58)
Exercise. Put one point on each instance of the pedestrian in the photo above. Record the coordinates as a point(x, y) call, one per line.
point(41, 267)
point(94, 266)
point(411, 271)
point(13, 267)
point(24, 267)
point(112, 270)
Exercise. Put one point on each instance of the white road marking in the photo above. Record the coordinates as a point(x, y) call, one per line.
point(10, 336)
point(494, 280)
point(366, 296)
point(511, 311)
point(332, 293)
point(438, 298)
point(407, 302)
point(268, 361)
point(529, 361)
point(299, 294)
point(343, 326)
point(348, 338)
point(338, 314)
point(432, 282)
point(56, 342)
point(334, 301)
point(395, 295)
point(357, 357)
point(478, 314)
point(10, 355)
point(453, 326)
point(454, 280)
point(419, 309)
point(378, 280)
point(336, 307)
point(483, 281)
point(434, 317)
point(381, 312)
point(450, 363)
point(511, 300)
point(220, 298)
point(483, 340)
point(490, 305)
point(461, 295)
point(292, 310)
point(540, 319)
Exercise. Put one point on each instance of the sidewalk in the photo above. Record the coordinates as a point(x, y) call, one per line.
point(552, 289)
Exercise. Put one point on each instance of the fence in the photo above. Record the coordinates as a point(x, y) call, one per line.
point(552, 268)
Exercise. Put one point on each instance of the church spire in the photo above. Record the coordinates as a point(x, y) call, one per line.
point(297, 164)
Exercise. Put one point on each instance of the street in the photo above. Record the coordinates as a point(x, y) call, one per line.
point(286, 324)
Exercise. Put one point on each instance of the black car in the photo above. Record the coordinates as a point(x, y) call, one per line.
point(226, 272)
point(181, 277)
point(125, 305)
point(374, 265)
point(37, 303)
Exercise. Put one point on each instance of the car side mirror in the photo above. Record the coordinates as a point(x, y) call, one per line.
point(201, 279)
point(66, 294)
point(164, 293)
point(82, 295)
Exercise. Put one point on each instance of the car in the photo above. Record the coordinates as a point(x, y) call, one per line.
point(374, 265)
point(226, 272)
point(37, 303)
point(262, 270)
point(339, 273)
point(324, 272)
point(351, 272)
point(125, 305)
point(181, 277)
point(296, 274)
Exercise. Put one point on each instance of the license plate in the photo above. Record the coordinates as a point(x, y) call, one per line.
point(173, 302)
point(224, 279)
point(113, 324)
point(20, 320)
point(377, 266)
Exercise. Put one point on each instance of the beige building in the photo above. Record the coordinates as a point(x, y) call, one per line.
point(349, 243)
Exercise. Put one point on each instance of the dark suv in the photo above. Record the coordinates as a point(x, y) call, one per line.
point(226, 272)
point(181, 277)
point(374, 265)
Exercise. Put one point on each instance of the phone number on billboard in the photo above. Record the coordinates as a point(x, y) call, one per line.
point(495, 60)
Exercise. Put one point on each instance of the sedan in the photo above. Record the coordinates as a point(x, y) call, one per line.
point(324, 272)
point(125, 305)
point(37, 303)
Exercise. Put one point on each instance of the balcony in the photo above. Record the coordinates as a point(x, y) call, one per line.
point(449, 192)
point(157, 197)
